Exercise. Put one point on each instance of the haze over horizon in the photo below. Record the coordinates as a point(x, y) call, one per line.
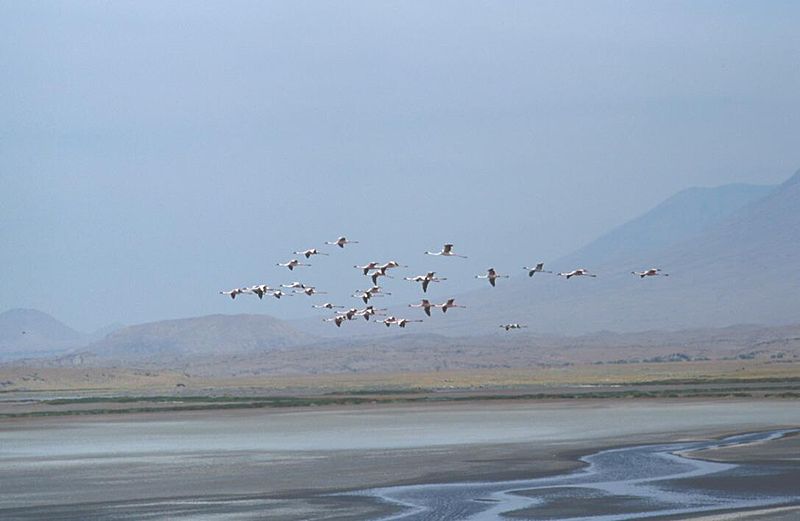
point(153, 154)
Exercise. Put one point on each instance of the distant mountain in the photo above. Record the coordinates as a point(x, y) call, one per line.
point(171, 341)
point(99, 334)
point(731, 252)
point(685, 215)
point(420, 353)
point(732, 257)
point(28, 332)
point(743, 269)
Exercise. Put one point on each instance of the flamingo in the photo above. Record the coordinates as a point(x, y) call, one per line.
point(349, 314)
point(260, 290)
point(652, 272)
point(367, 267)
point(539, 268)
point(380, 273)
point(371, 292)
point(233, 292)
point(403, 321)
point(491, 276)
point(310, 290)
point(364, 295)
point(338, 319)
point(512, 326)
point(308, 253)
point(426, 279)
point(388, 321)
point(451, 303)
point(341, 241)
point(447, 251)
point(389, 265)
point(580, 272)
point(368, 312)
point(425, 305)
point(278, 294)
point(292, 264)
point(294, 285)
point(326, 305)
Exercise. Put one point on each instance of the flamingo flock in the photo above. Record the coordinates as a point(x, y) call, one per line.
point(375, 270)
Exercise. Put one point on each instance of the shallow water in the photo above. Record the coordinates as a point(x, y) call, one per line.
point(378, 428)
point(620, 484)
point(241, 465)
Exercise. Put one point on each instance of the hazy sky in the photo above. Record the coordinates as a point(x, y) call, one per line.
point(153, 153)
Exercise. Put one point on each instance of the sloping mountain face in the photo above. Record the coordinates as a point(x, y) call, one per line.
point(29, 332)
point(99, 334)
point(745, 268)
point(686, 214)
point(175, 340)
point(737, 265)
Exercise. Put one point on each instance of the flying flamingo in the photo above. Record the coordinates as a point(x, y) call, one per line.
point(326, 305)
point(447, 251)
point(539, 268)
point(425, 305)
point(389, 265)
point(341, 241)
point(451, 303)
point(311, 290)
point(580, 272)
point(388, 321)
point(294, 285)
point(308, 253)
point(403, 321)
point(338, 319)
point(233, 292)
point(512, 326)
point(368, 312)
point(260, 290)
point(292, 264)
point(367, 267)
point(381, 272)
point(652, 272)
point(491, 276)
point(426, 279)
point(374, 291)
point(349, 314)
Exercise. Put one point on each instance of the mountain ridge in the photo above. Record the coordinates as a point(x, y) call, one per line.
point(728, 270)
point(25, 332)
point(681, 216)
point(216, 334)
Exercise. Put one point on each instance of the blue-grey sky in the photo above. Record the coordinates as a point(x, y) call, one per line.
point(153, 153)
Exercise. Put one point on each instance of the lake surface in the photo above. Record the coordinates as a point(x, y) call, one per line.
point(620, 484)
point(282, 465)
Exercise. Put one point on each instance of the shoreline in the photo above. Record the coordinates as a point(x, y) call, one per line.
point(779, 513)
point(111, 404)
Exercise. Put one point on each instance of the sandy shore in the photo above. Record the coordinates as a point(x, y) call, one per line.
point(782, 450)
point(283, 463)
point(791, 513)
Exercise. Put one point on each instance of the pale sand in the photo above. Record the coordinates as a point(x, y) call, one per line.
point(763, 514)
